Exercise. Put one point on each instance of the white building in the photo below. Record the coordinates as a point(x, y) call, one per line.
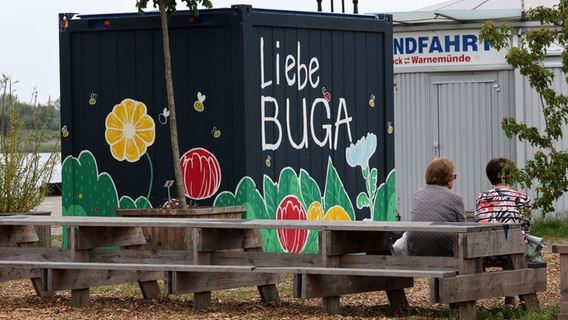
point(451, 93)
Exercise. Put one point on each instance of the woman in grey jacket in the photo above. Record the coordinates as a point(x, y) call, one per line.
point(436, 202)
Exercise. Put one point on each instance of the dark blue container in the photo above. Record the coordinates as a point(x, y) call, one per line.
point(289, 113)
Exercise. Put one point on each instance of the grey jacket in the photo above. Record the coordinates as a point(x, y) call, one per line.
point(434, 203)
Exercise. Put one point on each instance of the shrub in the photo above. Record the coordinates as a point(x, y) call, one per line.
point(23, 173)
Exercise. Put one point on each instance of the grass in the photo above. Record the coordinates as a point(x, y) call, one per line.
point(56, 241)
point(552, 229)
point(501, 314)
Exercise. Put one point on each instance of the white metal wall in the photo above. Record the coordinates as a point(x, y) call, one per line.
point(413, 147)
point(453, 114)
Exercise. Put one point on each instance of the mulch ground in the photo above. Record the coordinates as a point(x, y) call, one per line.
point(19, 301)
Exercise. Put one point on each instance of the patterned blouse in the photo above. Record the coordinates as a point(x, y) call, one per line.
point(503, 205)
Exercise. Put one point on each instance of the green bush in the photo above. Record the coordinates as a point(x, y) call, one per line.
point(23, 173)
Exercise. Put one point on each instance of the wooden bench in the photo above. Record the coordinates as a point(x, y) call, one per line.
point(353, 257)
point(53, 270)
point(562, 250)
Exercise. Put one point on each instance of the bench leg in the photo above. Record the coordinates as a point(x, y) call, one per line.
point(397, 298)
point(530, 301)
point(269, 293)
point(42, 285)
point(468, 310)
point(150, 289)
point(202, 300)
point(80, 297)
point(331, 305)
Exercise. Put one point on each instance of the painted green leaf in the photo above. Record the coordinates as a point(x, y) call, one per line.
point(373, 182)
point(380, 213)
point(85, 187)
point(225, 198)
point(335, 194)
point(309, 189)
point(391, 208)
point(312, 243)
point(271, 243)
point(270, 197)
point(385, 202)
point(143, 202)
point(246, 195)
point(363, 201)
point(391, 196)
point(288, 184)
point(126, 203)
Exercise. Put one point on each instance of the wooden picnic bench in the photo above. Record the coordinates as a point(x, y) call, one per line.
point(353, 257)
point(562, 250)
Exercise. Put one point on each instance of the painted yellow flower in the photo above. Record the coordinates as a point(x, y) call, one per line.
point(336, 213)
point(315, 211)
point(129, 130)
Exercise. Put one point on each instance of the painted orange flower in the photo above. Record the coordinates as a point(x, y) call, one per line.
point(129, 130)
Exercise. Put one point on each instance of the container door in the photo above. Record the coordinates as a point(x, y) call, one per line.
point(466, 128)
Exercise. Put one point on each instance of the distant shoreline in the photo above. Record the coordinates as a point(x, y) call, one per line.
point(56, 176)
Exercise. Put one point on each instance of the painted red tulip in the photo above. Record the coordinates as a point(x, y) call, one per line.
point(201, 173)
point(291, 240)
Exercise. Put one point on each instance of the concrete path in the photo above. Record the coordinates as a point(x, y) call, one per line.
point(52, 204)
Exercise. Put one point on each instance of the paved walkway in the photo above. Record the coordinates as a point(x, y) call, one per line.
point(52, 204)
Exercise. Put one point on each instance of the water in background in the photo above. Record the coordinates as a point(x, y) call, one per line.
point(56, 176)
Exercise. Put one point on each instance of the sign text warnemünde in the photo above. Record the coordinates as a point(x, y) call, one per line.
point(448, 48)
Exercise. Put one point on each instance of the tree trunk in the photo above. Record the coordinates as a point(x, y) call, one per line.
point(171, 106)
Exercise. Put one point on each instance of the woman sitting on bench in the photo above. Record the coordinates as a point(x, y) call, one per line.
point(436, 202)
point(502, 204)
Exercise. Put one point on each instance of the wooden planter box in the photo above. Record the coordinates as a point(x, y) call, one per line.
point(178, 238)
point(43, 232)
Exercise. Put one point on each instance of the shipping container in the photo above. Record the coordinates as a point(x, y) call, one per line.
point(288, 113)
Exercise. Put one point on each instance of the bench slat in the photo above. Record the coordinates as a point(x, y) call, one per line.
point(360, 272)
point(390, 226)
point(124, 266)
point(222, 268)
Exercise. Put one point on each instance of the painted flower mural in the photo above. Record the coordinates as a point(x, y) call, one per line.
point(287, 198)
point(315, 212)
point(380, 199)
point(129, 130)
point(201, 173)
point(291, 240)
point(359, 154)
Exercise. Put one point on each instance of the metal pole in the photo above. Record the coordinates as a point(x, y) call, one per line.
point(331, 5)
point(355, 9)
point(343, 6)
point(319, 5)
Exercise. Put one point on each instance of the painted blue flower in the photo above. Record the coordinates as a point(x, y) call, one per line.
point(361, 152)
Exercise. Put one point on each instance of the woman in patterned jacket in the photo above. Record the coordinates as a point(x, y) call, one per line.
point(502, 204)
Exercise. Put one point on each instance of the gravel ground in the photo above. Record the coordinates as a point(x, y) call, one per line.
point(18, 301)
